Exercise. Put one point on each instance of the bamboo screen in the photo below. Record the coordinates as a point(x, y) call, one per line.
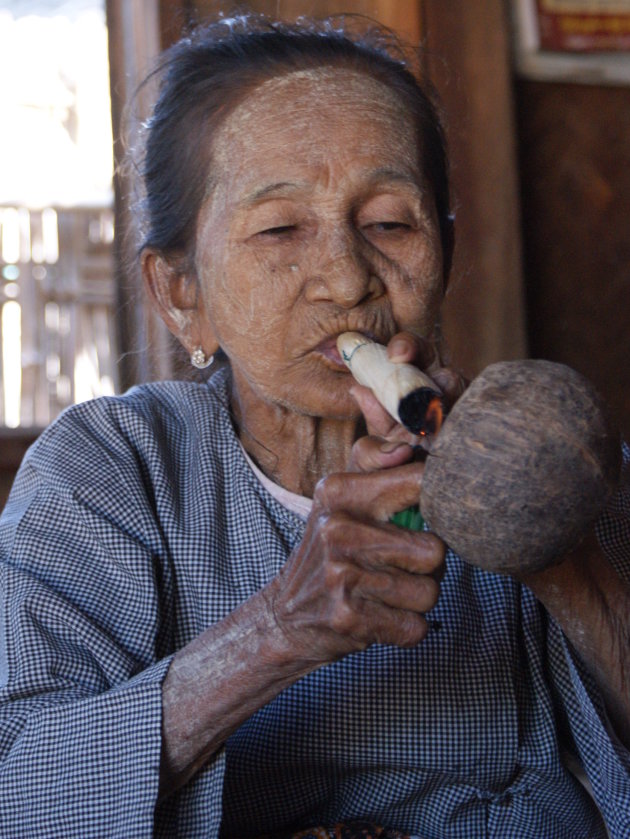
point(57, 302)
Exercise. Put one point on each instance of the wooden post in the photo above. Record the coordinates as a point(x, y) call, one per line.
point(468, 59)
point(134, 44)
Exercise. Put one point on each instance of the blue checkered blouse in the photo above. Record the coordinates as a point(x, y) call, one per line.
point(136, 522)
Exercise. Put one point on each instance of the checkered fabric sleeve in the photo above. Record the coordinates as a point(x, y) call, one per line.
point(605, 760)
point(86, 625)
point(135, 523)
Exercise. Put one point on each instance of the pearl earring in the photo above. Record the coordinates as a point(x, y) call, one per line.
point(199, 359)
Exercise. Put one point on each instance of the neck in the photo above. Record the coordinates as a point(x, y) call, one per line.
point(292, 449)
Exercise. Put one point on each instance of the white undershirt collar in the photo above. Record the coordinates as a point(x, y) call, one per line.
point(298, 504)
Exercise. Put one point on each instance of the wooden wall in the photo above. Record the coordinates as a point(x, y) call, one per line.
point(469, 59)
point(575, 181)
point(403, 16)
point(13, 446)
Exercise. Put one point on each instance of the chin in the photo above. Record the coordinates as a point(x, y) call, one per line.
point(315, 392)
point(333, 403)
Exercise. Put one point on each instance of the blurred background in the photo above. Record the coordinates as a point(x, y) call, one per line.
point(537, 101)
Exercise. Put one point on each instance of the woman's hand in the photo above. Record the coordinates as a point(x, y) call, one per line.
point(355, 579)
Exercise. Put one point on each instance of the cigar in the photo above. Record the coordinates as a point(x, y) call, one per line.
point(406, 393)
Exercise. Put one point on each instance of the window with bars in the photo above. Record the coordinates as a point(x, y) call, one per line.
point(57, 288)
point(58, 305)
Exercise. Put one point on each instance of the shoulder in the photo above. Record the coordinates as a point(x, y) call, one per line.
point(148, 425)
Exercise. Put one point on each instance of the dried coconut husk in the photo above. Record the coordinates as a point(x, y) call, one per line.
point(522, 467)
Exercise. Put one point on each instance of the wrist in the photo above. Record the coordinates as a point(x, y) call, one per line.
point(292, 647)
point(570, 573)
point(219, 680)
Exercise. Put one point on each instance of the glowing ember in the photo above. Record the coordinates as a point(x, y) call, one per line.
point(434, 417)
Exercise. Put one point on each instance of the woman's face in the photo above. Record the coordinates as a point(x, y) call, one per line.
point(318, 221)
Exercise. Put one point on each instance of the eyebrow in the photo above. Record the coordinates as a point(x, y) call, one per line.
point(271, 191)
point(387, 175)
point(284, 188)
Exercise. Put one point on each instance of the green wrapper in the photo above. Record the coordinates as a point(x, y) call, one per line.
point(411, 518)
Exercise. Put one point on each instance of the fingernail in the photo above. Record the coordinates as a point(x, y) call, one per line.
point(399, 347)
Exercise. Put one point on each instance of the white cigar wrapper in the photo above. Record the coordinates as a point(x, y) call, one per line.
point(389, 381)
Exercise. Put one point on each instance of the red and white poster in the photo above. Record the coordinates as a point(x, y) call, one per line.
point(584, 25)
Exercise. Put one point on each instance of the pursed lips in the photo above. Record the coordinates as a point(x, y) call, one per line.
point(328, 348)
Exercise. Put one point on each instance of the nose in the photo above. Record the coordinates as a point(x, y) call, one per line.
point(344, 275)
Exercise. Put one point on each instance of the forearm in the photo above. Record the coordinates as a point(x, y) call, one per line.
point(217, 682)
point(353, 580)
point(591, 604)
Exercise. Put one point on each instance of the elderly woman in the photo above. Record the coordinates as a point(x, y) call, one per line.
point(211, 627)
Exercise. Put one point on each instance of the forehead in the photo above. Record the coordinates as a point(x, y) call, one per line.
point(316, 114)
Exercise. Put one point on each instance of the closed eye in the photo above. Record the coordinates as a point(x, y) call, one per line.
point(386, 226)
point(278, 231)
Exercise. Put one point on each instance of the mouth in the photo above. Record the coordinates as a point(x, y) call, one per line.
point(329, 352)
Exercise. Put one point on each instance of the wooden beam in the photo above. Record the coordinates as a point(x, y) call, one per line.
point(468, 59)
point(175, 17)
point(575, 164)
point(403, 16)
point(134, 43)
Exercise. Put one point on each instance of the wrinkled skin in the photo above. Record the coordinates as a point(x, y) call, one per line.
point(297, 244)
point(318, 220)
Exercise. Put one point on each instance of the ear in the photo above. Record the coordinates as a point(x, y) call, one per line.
point(174, 293)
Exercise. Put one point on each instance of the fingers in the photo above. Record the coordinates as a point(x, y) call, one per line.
point(387, 586)
point(375, 495)
point(385, 547)
point(451, 384)
point(414, 350)
point(385, 551)
point(378, 624)
point(355, 579)
point(357, 624)
point(352, 583)
point(370, 454)
point(377, 420)
point(383, 580)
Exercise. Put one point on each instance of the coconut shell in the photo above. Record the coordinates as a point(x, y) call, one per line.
point(522, 467)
